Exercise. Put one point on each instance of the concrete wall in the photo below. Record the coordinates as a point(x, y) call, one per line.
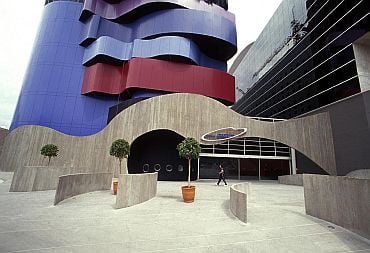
point(39, 178)
point(186, 114)
point(134, 189)
point(291, 179)
point(361, 48)
point(238, 200)
point(340, 200)
point(3, 134)
point(75, 184)
point(350, 124)
point(360, 174)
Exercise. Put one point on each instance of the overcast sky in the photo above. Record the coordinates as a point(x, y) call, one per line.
point(19, 22)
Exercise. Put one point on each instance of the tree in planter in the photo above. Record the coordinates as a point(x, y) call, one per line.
point(120, 149)
point(49, 150)
point(189, 149)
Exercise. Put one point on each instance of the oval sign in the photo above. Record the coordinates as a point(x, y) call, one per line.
point(224, 134)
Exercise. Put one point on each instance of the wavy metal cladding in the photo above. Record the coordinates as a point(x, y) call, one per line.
point(214, 35)
point(129, 10)
point(106, 48)
point(140, 73)
point(51, 91)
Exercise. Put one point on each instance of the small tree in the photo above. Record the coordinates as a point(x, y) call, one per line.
point(49, 150)
point(120, 149)
point(189, 149)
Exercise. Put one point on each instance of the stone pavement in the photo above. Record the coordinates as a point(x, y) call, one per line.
point(89, 223)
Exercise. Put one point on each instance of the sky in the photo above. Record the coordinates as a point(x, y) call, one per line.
point(19, 23)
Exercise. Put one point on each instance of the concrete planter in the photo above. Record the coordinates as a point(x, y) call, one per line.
point(188, 193)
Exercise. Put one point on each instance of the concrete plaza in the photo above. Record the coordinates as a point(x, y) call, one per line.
point(89, 223)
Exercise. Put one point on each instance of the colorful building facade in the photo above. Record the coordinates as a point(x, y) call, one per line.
point(92, 57)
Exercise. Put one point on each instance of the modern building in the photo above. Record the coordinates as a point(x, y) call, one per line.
point(94, 58)
point(313, 57)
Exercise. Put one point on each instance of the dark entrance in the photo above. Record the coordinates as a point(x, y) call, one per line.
point(270, 169)
point(244, 169)
point(208, 167)
point(156, 151)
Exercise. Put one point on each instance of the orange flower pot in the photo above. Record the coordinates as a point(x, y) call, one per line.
point(188, 193)
point(115, 188)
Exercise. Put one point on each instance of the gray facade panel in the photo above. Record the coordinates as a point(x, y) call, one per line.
point(351, 134)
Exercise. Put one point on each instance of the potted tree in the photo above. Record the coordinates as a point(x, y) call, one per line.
point(120, 149)
point(49, 150)
point(189, 149)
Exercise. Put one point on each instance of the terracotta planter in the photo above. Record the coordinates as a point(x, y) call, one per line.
point(115, 187)
point(188, 193)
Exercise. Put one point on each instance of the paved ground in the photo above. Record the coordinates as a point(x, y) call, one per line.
point(88, 223)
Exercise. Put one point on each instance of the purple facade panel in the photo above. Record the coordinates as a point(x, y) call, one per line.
point(214, 30)
point(163, 46)
point(126, 8)
point(51, 92)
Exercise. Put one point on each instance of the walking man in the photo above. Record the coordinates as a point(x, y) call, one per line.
point(221, 175)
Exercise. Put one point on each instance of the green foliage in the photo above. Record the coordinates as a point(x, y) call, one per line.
point(189, 148)
point(49, 150)
point(120, 149)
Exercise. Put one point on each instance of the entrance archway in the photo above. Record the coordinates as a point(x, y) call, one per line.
point(156, 151)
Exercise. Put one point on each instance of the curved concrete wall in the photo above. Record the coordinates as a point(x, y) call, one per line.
point(134, 189)
point(360, 174)
point(340, 200)
point(186, 114)
point(39, 178)
point(3, 134)
point(238, 200)
point(76, 184)
point(291, 179)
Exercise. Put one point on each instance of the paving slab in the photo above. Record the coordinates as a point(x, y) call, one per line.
point(29, 222)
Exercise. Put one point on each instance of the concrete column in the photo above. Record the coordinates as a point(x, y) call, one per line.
point(361, 49)
point(198, 168)
point(238, 169)
point(259, 169)
point(294, 161)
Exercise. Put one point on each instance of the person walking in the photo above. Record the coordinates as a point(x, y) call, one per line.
point(221, 175)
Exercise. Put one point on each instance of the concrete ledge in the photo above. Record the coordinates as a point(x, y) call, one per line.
point(341, 200)
point(238, 200)
point(134, 189)
point(359, 174)
point(75, 184)
point(39, 178)
point(291, 179)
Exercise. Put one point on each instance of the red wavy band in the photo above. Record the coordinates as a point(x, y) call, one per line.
point(159, 75)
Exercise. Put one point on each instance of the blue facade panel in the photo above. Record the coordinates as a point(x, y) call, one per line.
point(163, 46)
point(51, 92)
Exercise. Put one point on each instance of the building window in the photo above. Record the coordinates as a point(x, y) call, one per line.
point(157, 167)
point(169, 168)
point(146, 168)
